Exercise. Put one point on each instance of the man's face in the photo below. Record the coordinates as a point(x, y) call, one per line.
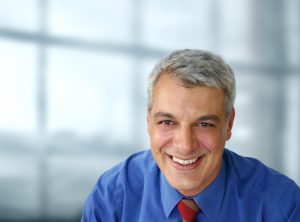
point(188, 130)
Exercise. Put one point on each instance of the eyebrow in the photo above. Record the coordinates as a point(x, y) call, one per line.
point(209, 117)
point(163, 114)
point(202, 118)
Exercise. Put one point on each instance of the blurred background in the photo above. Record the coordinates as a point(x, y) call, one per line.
point(73, 78)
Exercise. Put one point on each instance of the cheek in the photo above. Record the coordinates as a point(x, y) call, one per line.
point(160, 138)
point(210, 140)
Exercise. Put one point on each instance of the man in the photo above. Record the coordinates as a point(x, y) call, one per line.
point(188, 175)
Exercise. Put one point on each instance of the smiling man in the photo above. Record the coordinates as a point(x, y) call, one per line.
point(188, 129)
point(188, 175)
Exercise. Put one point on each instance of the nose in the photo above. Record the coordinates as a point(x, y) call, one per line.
point(184, 139)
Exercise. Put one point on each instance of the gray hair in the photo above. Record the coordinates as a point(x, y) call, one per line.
point(195, 67)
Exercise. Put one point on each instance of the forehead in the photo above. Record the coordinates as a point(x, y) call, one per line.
point(173, 96)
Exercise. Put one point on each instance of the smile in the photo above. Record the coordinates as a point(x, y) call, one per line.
point(184, 162)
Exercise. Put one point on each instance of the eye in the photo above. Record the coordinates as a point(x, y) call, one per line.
point(204, 124)
point(166, 122)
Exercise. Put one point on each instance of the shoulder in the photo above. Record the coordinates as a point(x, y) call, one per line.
point(256, 180)
point(252, 173)
point(125, 179)
point(131, 171)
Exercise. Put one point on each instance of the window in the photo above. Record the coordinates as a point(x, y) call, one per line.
point(73, 78)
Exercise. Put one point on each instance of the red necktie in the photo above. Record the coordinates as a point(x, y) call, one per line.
point(188, 210)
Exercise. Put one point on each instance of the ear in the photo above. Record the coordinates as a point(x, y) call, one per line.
point(230, 124)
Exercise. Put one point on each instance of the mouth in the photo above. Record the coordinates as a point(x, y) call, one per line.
point(185, 164)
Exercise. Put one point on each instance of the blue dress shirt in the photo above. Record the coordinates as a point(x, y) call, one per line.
point(244, 190)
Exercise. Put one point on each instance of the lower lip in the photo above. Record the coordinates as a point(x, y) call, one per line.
point(191, 166)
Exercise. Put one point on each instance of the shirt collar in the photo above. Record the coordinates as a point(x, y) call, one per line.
point(209, 200)
point(169, 196)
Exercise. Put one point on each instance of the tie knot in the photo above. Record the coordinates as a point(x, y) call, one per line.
point(188, 210)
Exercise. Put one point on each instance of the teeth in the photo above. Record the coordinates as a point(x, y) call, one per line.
point(184, 162)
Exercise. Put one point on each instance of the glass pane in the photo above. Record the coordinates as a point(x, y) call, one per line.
point(97, 20)
point(236, 35)
point(72, 178)
point(19, 187)
point(146, 66)
point(90, 94)
point(18, 87)
point(177, 24)
point(258, 117)
point(292, 139)
point(293, 31)
point(19, 14)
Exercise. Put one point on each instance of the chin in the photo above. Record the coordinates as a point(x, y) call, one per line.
point(188, 189)
point(186, 186)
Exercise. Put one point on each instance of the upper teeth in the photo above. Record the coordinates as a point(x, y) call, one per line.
point(184, 162)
